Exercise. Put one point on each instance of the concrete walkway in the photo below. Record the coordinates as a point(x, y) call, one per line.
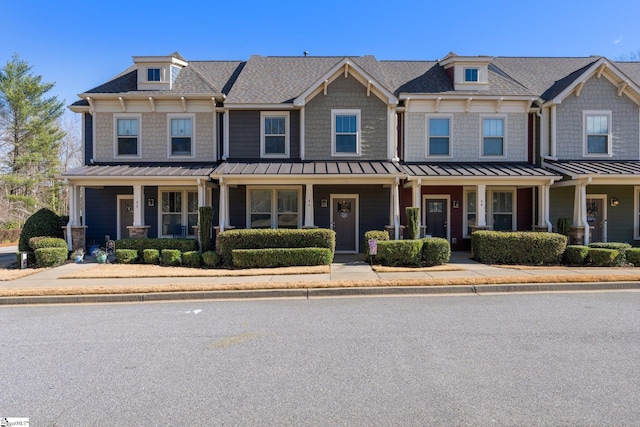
point(344, 268)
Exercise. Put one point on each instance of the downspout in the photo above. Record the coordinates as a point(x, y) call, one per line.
point(71, 214)
point(583, 210)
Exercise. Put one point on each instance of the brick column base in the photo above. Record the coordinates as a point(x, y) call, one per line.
point(78, 237)
point(576, 235)
point(141, 232)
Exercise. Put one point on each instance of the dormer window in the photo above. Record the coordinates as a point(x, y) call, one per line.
point(153, 74)
point(471, 75)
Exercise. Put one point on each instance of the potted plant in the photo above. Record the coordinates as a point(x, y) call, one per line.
point(101, 256)
point(78, 256)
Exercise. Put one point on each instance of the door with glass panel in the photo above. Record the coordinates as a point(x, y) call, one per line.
point(344, 221)
point(596, 218)
point(436, 217)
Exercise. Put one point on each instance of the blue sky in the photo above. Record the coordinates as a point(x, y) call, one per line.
point(81, 44)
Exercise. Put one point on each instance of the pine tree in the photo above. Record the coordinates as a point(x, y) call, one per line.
point(30, 138)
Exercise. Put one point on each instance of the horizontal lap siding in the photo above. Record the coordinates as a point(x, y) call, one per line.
point(151, 212)
point(102, 213)
point(560, 205)
point(620, 220)
point(88, 138)
point(525, 209)
point(244, 134)
point(238, 206)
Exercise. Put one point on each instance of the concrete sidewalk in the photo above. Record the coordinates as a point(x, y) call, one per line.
point(344, 268)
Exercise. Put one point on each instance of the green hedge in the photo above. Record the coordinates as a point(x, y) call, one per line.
point(435, 251)
point(126, 256)
point(211, 258)
point(576, 255)
point(273, 238)
point(517, 247)
point(633, 256)
point(191, 259)
point(150, 256)
point(281, 257)
point(380, 236)
point(603, 257)
point(170, 257)
point(400, 253)
point(44, 222)
point(620, 247)
point(50, 257)
point(41, 242)
point(183, 245)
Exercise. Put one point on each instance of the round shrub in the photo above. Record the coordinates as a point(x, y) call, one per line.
point(400, 253)
point(211, 258)
point(171, 257)
point(603, 257)
point(191, 259)
point(50, 257)
point(126, 256)
point(517, 247)
point(42, 223)
point(622, 248)
point(435, 251)
point(151, 256)
point(633, 256)
point(576, 254)
point(47, 242)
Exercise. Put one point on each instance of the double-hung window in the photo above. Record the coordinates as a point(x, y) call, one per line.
point(127, 130)
point(439, 131)
point(345, 132)
point(178, 212)
point(274, 208)
point(181, 135)
point(493, 136)
point(274, 134)
point(153, 74)
point(471, 75)
point(503, 211)
point(500, 209)
point(597, 136)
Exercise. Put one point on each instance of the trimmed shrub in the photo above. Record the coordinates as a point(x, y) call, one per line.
point(150, 256)
point(620, 247)
point(205, 226)
point(603, 257)
point(576, 254)
point(273, 238)
point(380, 236)
point(563, 226)
point(435, 251)
point(47, 242)
point(517, 247)
point(413, 223)
point(171, 257)
point(633, 256)
point(42, 223)
point(183, 245)
point(50, 257)
point(191, 259)
point(281, 257)
point(211, 258)
point(126, 256)
point(400, 253)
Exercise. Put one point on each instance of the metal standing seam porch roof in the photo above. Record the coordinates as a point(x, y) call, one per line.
point(466, 170)
point(315, 168)
point(604, 168)
point(142, 171)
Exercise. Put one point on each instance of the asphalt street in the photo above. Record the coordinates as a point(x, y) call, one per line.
point(526, 359)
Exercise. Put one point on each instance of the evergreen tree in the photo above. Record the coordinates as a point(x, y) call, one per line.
point(30, 138)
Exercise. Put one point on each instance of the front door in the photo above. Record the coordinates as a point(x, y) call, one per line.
point(125, 216)
point(596, 218)
point(436, 217)
point(344, 214)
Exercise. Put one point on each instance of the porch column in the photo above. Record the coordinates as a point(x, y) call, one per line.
point(308, 207)
point(481, 214)
point(138, 206)
point(579, 233)
point(72, 214)
point(417, 203)
point(543, 208)
point(396, 209)
point(223, 205)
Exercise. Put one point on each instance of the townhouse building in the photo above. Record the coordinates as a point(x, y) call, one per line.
point(349, 142)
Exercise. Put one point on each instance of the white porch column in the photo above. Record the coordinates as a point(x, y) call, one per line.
point(481, 214)
point(579, 209)
point(308, 207)
point(417, 202)
point(138, 206)
point(543, 207)
point(223, 205)
point(396, 209)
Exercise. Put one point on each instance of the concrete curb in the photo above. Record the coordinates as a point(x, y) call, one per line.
point(308, 293)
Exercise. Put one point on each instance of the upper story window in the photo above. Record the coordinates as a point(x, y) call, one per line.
point(439, 131)
point(597, 132)
point(345, 132)
point(471, 75)
point(127, 131)
point(493, 136)
point(181, 135)
point(274, 134)
point(153, 74)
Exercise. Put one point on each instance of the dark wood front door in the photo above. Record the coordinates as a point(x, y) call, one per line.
point(126, 217)
point(344, 213)
point(436, 217)
point(595, 217)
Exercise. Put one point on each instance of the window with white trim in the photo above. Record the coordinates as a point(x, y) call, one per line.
point(493, 136)
point(127, 135)
point(274, 208)
point(274, 134)
point(178, 212)
point(345, 132)
point(153, 74)
point(471, 75)
point(439, 136)
point(180, 131)
point(597, 132)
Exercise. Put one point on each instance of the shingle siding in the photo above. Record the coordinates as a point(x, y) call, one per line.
point(598, 95)
point(346, 94)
